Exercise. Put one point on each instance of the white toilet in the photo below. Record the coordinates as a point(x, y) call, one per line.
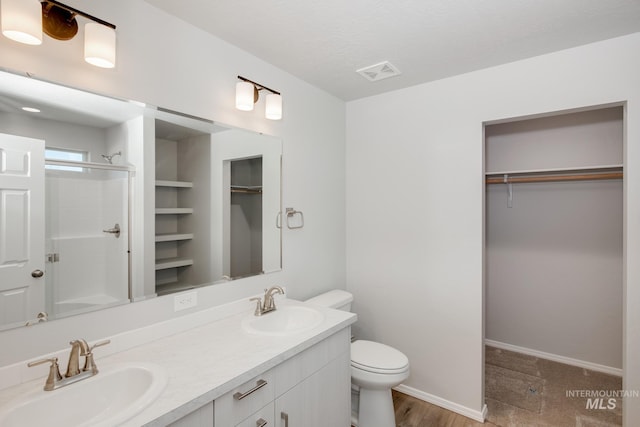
point(375, 369)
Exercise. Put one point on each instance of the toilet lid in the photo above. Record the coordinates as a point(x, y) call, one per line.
point(379, 358)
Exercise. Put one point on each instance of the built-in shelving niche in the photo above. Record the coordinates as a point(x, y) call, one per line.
point(182, 211)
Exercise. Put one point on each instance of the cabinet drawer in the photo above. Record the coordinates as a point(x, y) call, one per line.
point(261, 418)
point(244, 400)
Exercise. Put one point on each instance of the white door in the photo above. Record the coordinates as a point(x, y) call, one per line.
point(21, 229)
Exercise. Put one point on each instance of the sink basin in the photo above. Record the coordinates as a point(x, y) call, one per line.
point(285, 320)
point(111, 397)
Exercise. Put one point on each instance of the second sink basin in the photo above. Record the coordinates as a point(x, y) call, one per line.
point(105, 400)
point(285, 320)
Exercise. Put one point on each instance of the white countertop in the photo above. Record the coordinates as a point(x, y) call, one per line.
point(207, 361)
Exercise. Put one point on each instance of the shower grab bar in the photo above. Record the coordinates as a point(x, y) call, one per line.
point(90, 165)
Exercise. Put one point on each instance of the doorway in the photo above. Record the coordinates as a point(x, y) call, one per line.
point(554, 263)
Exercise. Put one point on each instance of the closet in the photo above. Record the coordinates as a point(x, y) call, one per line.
point(245, 217)
point(554, 236)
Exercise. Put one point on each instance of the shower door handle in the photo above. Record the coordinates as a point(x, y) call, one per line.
point(115, 230)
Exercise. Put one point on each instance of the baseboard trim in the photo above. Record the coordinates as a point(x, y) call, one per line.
point(443, 403)
point(556, 358)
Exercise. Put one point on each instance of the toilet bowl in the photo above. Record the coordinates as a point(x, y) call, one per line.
point(375, 369)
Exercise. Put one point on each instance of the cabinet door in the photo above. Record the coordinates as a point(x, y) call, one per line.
point(290, 408)
point(323, 399)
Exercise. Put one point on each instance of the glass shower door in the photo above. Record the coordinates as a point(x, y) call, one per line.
point(87, 237)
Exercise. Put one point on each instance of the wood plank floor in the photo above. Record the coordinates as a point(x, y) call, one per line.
point(412, 412)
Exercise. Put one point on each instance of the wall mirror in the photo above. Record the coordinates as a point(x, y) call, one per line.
point(105, 201)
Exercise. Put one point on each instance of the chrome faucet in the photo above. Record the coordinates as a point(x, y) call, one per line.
point(74, 374)
point(78, 348)
point(268, 303)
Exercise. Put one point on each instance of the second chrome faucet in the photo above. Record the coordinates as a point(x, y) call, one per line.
point(267, 304)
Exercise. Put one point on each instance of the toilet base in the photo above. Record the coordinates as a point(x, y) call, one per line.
point(376, 408)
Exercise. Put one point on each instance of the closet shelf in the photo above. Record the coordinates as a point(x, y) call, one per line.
point(173, 211)
point(556, 175)
point(247, 189)
point(173, 237)
point(174, 184)
point(165, 263)
point(171, 287)
point(579, 169)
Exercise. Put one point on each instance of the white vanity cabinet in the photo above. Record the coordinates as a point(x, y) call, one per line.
point(202, 416)
point(322, 399)
point(313, 388)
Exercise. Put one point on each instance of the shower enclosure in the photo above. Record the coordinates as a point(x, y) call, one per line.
point(86, 236)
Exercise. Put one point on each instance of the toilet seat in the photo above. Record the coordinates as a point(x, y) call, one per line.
point(377, 358)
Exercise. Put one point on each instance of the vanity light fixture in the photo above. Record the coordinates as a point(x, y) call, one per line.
point(247, 94)
point(25, 20)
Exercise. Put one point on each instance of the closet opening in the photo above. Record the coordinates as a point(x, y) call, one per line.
point(553, 268)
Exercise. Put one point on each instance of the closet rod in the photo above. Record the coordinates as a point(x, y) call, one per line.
point(554, 178)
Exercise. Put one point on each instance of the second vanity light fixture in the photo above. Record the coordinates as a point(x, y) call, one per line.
point(25, 20)
point(247, 94)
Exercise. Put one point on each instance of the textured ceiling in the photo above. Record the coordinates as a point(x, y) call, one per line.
point(325, 42)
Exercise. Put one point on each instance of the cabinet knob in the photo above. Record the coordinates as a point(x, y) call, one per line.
point(261, 422)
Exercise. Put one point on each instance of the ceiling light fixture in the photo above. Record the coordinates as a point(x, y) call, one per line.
point(247, 94)
point(25, 20)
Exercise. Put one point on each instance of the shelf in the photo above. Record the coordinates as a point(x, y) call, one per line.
point(556, 175)
point(173, 237)
point(166, 263)
point(601, 168)
point(171, 287)
point(173, 211)
point(174, 184)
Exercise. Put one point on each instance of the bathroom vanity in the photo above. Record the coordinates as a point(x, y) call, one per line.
point(221, 373)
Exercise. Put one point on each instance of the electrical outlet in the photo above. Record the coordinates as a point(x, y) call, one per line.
point(184, 301)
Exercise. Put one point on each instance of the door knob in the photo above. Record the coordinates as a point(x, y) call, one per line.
point(37, 273)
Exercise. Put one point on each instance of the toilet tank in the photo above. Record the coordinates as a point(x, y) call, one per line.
point(337, 298)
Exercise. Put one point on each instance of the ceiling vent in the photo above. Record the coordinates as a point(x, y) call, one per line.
point(380, 71)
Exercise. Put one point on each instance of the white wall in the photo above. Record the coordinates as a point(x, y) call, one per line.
point(166, 62)
point(415, 203)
